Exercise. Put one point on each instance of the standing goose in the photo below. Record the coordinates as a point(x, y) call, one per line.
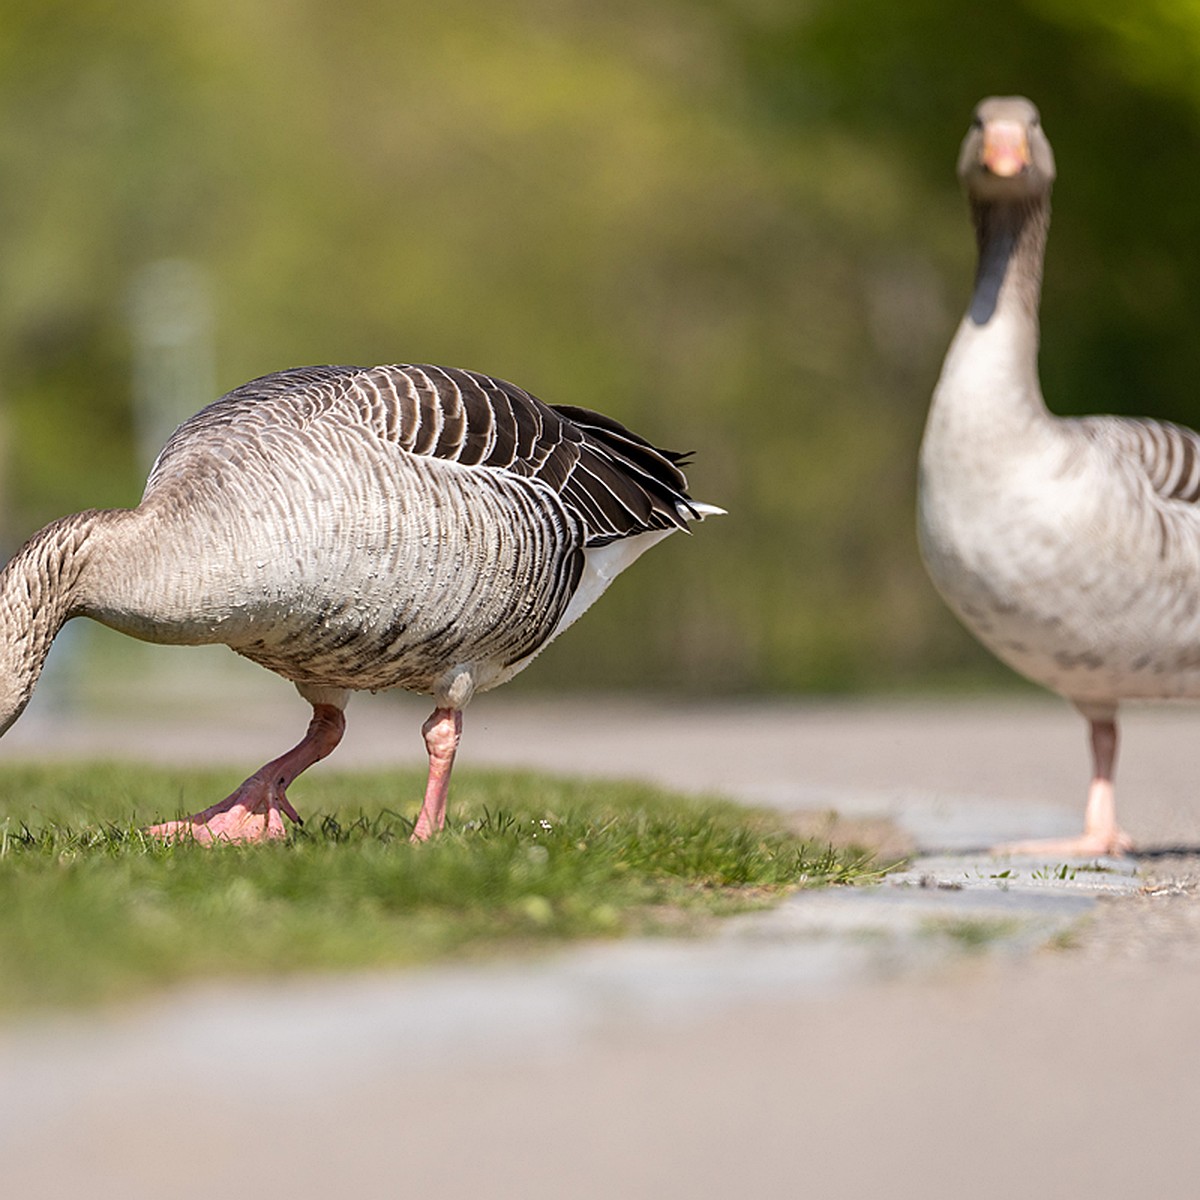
point(1069, 547)
point(401, 526)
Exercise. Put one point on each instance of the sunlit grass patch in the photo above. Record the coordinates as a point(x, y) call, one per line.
point(94, 910)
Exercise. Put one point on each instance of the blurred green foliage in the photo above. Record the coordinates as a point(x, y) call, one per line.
point(733, 224)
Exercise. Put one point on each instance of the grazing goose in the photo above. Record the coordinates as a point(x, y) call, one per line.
point(1069, 547)
point(401, 526)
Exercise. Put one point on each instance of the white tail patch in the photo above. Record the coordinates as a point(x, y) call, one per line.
point(601, 565)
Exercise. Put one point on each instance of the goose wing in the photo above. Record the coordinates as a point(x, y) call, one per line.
point(1169, 454)
point(616, 482)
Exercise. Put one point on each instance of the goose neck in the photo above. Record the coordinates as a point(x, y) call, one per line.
point(989, 380)
point(1011, 237)
point(39, 591)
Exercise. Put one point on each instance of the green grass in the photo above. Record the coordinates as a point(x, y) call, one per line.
point(93, 911)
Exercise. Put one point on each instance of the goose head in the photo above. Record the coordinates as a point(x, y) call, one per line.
point(1006, 155)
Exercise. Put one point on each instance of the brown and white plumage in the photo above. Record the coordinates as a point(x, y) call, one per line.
point(403, 526)
point(1069, 547)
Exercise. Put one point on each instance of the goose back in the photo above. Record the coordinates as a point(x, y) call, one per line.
point(614, 480)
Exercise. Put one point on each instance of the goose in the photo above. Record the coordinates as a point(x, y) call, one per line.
point(352, 528)
point(1070, 547)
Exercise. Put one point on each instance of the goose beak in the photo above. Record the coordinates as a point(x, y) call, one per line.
point(1005, 148)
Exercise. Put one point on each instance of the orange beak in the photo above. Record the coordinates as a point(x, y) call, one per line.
point(1005, 148)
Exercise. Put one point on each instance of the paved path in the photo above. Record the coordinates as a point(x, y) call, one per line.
point(844, 1045)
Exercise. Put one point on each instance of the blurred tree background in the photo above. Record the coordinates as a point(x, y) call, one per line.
point(733, 224)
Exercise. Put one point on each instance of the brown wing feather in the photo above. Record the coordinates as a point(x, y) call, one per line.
point(615, 481)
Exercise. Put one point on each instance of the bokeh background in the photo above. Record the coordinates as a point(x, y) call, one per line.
point(733, 224)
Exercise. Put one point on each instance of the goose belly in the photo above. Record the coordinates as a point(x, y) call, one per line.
point(1093, 598)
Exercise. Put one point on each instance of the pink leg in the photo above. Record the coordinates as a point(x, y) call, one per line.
point(1101, 833)
point(441, 732)
point(254, 813)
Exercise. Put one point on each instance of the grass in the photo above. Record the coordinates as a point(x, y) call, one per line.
point(95, 912)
